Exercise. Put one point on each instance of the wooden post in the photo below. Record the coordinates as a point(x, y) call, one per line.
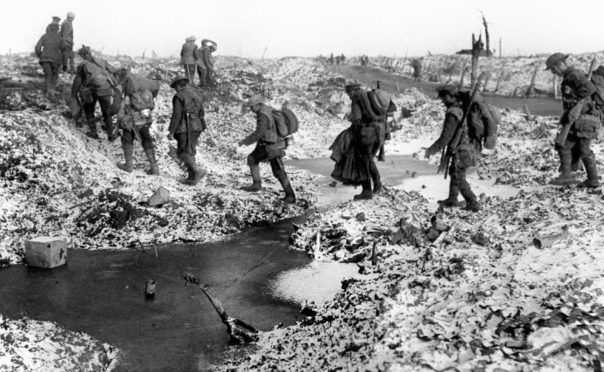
point(499, 79)
point(477, 47)
point(555, 86)
point(486, 81)
point(463, 75)
point(529, 118)
point(486, 35)
point(531, 89)
point(592, 67)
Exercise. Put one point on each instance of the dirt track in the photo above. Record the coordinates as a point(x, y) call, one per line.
point(394, 83)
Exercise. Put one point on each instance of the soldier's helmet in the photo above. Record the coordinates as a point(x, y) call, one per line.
point(445, 90)
point(179, 80)
point(555, 58)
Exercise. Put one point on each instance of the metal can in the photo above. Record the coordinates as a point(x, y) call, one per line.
point(150, 288)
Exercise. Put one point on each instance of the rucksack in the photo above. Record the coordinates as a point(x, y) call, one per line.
point(286, 122)
point(291, 120)
point(280, 124)
point(597, 78)
point(142, 100)
point(483, 123)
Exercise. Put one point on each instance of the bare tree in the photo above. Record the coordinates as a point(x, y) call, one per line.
point(486, 35)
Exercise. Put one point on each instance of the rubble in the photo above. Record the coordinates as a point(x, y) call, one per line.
point(437, 290)
point(29, 344)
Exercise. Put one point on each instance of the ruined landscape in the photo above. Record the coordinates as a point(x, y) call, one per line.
point(517, 286)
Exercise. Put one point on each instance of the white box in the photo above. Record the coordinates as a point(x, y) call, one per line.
point(46, 251)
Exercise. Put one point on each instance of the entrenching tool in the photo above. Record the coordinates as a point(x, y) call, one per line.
point(239, 330)
point(452, 147)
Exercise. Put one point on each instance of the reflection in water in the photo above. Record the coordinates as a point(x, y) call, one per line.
point(318, 282)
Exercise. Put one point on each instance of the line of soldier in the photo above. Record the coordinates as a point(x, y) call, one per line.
point(194, 58)
point(131, 98)
point(462, 143)
point(55, 49)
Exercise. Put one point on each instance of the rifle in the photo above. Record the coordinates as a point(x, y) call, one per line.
point(452, 146)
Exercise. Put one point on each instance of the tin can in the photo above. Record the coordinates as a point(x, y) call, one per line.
point(150, 288)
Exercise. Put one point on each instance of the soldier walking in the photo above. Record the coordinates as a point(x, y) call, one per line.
point(67, 42)
point(186, 125)
point(579, 122)
point(187, 58)
point(48, 50)
point(464, 155)
point(94, 81)
point(269, 147)
point(135, 118)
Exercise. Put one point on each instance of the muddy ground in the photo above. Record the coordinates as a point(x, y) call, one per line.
point(473, 294)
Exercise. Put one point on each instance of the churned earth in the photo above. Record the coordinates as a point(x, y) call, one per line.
point(434, 290)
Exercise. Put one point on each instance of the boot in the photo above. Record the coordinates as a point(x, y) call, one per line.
point(591, 168)
point(381, 155)
point(256, 182)
point(377, 187)
point(473, 206)
point(366, 194)
point(565, 177)
point(197, 175)
point(451, 201)
point(128, 152)
point(290, 196)
point(472, 203)
point(92, 133)
point(153, 169)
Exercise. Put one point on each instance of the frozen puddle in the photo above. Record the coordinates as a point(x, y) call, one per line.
point(436, 187)
point(318, 282)
point(102, 293)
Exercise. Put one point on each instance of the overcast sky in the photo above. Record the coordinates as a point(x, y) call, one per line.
point(312, 27)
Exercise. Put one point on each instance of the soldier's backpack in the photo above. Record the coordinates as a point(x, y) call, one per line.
point(597, 78)
point(291, 120)
point(286, 122)
point(142, 100)
point(483, 123)
point(280, 124)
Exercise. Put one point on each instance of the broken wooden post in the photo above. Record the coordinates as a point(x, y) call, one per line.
point(528, 113)
point(239, 330)
point(486, 35)
point(486, 81)
point(477, 47)
point(592, 67)
point(463, 75)
point(499, 79)
point(531, 89)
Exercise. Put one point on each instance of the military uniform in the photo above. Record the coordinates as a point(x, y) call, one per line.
point(187, 58)
point(581, 111)
point(186, 126)
point(48, 50)
point(463, 157)
point(135, 118)
point(269, 147)
point(94, 82)
point(366, 140)
point(67, 45)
